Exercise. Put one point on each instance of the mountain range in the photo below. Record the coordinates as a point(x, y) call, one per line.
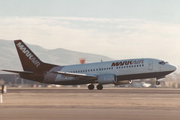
point(9, 58)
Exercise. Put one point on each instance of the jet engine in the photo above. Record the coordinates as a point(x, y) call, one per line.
point(107, 79)
point(123, 82)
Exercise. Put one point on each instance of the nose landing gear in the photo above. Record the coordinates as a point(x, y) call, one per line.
point(157, 82)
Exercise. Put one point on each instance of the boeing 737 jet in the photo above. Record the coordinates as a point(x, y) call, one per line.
point(111, 72)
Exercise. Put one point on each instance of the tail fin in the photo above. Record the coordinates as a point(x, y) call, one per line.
point(29, 61)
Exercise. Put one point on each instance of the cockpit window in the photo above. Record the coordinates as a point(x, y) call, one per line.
point(162, 62)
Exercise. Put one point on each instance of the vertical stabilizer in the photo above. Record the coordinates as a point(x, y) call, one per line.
point(29, 61)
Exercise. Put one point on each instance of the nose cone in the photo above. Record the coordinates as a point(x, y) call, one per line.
point(173, 68)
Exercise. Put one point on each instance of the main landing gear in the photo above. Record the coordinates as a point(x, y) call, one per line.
point(91, 87)
point(99, 87)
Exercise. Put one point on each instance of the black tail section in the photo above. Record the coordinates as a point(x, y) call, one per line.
point(29, 61)
point(34, 68)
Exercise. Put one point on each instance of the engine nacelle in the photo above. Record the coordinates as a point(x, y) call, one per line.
point(123, 82)
point(107, 79)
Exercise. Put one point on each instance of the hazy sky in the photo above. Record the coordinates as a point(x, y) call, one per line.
point(118, 29)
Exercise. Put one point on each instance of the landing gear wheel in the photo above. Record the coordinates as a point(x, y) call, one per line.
point(99, 87)
point(91, 87)
point(157, 83)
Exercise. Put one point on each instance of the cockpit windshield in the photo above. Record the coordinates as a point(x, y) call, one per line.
point(162, 62)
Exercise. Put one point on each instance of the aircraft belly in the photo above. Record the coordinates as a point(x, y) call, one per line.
point(62, 80)
point(142, 75)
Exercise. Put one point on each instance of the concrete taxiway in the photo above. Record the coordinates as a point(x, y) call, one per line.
point(75, 103)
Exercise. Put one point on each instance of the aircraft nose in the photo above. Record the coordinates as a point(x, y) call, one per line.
point(173, 68)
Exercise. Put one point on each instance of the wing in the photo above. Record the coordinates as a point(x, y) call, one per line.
point(76, 75)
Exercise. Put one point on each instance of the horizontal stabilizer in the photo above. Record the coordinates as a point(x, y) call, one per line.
point(77, 75)
point(26, 72)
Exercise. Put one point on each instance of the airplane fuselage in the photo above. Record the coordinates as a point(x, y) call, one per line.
point(123, 69)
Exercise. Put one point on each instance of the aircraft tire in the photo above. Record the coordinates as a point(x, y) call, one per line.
point(99, 87)
point(157, 83)
point(91, 87)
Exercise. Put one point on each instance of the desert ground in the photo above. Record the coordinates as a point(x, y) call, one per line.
point(83, 104)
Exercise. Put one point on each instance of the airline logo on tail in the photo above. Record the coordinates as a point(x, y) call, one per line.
point(28, 54)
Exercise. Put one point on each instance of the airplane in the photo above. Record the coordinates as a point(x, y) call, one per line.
point(116, 72)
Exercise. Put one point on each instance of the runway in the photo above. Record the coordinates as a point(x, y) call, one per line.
point(80, 104)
